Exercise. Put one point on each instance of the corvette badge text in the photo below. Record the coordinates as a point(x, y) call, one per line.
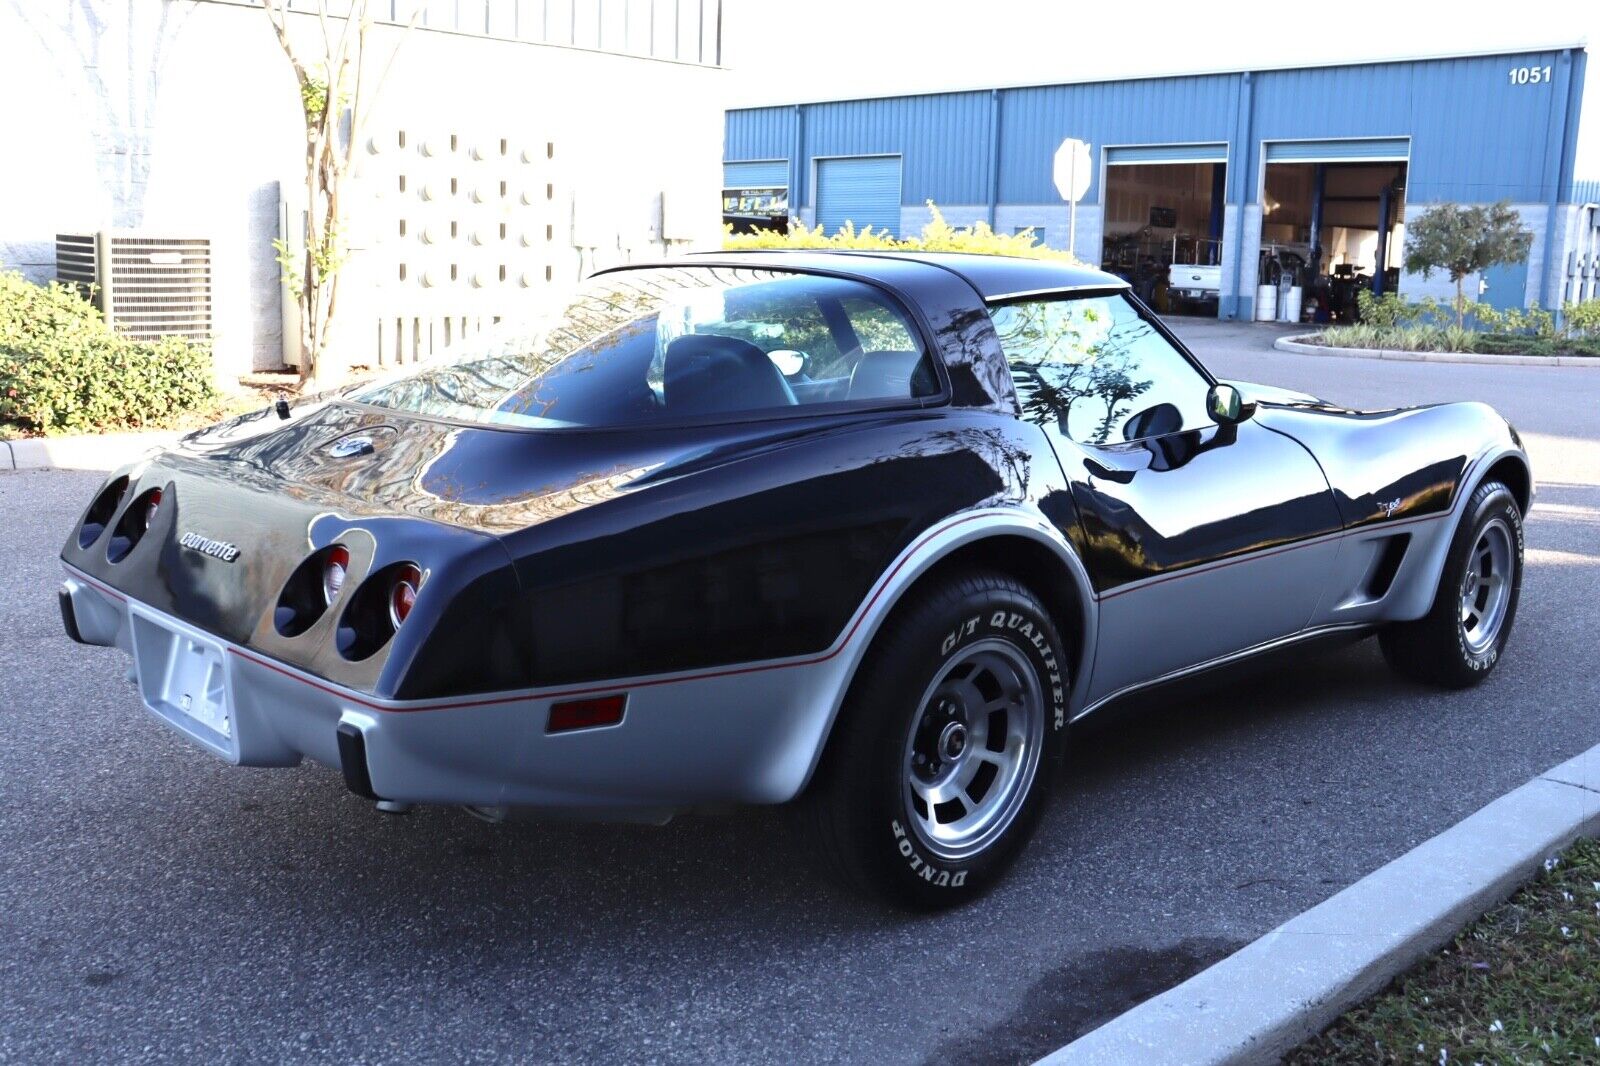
point(217, 549)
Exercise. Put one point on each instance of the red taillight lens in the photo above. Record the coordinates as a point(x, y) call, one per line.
point(152, 502)
point(335, 568)
point(586, 714)
point(403, 593)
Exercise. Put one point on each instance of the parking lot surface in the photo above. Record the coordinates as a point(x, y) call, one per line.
point(157, 905)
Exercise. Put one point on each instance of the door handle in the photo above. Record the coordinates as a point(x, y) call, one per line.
point(1121, 477)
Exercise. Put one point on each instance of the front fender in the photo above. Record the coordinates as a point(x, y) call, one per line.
point(1399, 465)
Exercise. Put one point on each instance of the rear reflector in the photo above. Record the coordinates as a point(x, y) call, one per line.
point(586, 714)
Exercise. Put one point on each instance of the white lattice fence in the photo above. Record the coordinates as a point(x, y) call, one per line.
point(1583, 261)
point(456, 229)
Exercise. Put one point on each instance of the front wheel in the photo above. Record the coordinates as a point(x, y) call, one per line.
point(946, 745)
point(1459, 641)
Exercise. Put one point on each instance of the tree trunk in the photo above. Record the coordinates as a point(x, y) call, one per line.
point(1461, 306)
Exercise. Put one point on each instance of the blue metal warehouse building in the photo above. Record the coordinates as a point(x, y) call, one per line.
point(1259, 171)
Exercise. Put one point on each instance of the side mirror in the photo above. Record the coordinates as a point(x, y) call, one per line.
point(1227, 406)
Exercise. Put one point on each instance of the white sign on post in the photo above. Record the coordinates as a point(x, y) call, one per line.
point(1072, 180)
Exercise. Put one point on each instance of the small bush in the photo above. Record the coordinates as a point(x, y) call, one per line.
point(1532, 321)
point(1384, 312)
point(62, 370)
point(1583, 317)
point(937, 236)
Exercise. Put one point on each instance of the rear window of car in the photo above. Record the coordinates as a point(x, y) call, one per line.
point(674, 344)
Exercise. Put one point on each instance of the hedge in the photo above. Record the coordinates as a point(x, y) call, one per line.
point(63, 370)
point(937, 236)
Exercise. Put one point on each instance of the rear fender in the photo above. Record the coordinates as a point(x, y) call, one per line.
point(927, 552)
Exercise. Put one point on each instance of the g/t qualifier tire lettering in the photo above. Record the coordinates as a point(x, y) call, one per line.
point(857, 812)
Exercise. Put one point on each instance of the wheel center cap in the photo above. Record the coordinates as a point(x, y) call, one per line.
point(952, 741)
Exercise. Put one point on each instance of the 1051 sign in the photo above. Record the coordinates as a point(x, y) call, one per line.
point(1529, 75)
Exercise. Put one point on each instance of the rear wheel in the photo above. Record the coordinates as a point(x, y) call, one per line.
point(1459, 641)
point(946, 745)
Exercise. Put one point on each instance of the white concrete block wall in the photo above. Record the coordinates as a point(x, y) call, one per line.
point(209, 145)
point(1051, 223)
point(914, 216)
point(1242, 275)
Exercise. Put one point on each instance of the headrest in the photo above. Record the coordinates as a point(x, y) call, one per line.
point(892, 375)
point(704, 373)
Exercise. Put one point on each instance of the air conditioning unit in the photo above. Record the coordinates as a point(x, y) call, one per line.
point(147, 286)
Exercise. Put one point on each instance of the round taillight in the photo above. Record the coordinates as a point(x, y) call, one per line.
point(403, 593)
point(152, 502)
point(101, 511)
point(335, 568)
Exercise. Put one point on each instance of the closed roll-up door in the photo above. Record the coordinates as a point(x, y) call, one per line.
point(1167, 153)
point(1379, 148)
point(864, 191)
point(762, 174)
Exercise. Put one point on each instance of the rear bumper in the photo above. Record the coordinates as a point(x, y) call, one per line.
point(745, 735)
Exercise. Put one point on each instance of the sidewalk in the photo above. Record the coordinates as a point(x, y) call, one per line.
point(104, 451)
point(1275, 993)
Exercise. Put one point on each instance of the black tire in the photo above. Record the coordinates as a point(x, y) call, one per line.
point(964, 633)
point(1438, 648)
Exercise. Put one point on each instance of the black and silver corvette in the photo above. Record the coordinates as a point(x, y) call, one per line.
point(866, 531)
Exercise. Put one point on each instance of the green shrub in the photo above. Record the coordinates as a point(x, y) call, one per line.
point(937, 236)
point(1533, 321)
point(1583, 317)
point(62, 370)
point(1383, 312)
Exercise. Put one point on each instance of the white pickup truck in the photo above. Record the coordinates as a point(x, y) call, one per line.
point(1195, 276)
point(1194, 282)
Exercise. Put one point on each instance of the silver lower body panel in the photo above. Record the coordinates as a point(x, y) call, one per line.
point(740, 736)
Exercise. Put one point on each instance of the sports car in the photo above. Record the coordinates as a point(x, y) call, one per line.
point(861, 532)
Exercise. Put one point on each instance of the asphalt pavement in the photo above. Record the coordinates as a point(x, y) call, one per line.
point(156, 905)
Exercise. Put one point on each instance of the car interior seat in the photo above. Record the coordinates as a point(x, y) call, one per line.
point(707, 374)
point(894, 375)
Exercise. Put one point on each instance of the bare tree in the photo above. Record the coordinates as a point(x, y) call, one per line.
point(119, 50)
point(335, 99)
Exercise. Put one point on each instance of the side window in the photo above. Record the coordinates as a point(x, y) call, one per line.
point(877, 327)
point(778, 319)
point(1095, 368)
point(831, 340)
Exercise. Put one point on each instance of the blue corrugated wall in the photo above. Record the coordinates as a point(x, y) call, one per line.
point(1475, 135)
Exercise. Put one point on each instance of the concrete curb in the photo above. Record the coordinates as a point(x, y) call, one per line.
point(1297, 343)
point(103, 452)
point(1272, 995)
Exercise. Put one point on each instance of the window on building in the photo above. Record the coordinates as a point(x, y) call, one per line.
point(1099, 370)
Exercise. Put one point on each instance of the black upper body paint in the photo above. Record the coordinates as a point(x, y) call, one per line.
point(552, 557)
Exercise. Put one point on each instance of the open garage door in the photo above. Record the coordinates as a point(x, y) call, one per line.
point(1164, 221)
point(1331, 226)
point(864, 190)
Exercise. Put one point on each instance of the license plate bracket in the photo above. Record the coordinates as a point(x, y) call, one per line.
point(183, 678)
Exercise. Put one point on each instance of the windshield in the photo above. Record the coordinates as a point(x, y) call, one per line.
point(676, 343)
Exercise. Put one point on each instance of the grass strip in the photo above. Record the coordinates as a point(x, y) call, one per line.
point(1520, 985)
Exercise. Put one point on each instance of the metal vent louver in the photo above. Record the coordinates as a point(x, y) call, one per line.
point(148, 286)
